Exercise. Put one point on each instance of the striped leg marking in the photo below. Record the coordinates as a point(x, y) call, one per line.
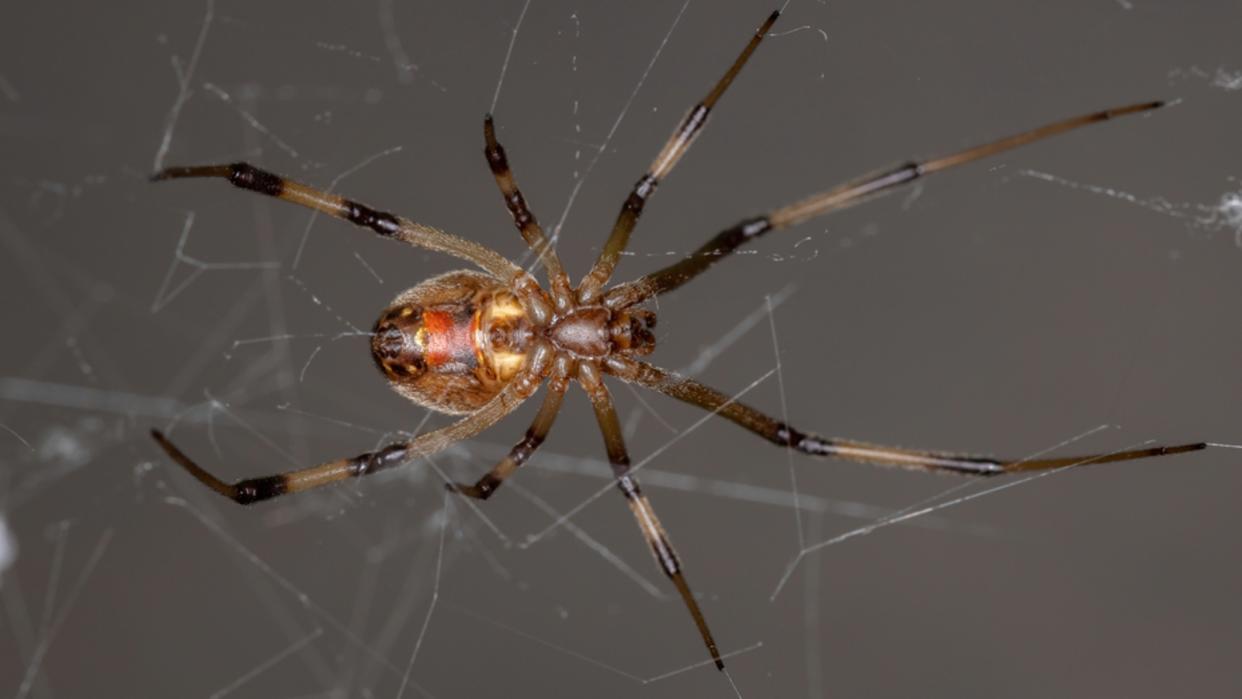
point(522, 451)
point(523, 218)
point(676, 146)
point(640, 506)
point(777, 432)
point(840, 197)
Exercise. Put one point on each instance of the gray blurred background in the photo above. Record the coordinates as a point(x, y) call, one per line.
point(1006, 308)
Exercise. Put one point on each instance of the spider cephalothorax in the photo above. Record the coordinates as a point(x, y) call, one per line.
point(596, 332)
point(482, 343)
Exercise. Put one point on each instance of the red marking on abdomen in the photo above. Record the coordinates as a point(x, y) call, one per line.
point(449, 338)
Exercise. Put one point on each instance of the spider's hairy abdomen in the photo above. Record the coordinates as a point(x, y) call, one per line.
point(452, 342)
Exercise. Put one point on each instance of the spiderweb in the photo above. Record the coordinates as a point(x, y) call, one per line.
point(1077, 296)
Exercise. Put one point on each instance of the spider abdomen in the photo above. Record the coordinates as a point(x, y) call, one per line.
point(452, 342)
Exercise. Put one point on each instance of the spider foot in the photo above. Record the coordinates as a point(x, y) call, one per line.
point(479, 491)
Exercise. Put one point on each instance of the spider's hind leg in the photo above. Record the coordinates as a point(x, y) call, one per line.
point(248, 177)
point(252, 490)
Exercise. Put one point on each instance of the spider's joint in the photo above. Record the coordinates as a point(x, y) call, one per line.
point(247, 176)
point(643, 189)
point(388, 457)
point(381, 222)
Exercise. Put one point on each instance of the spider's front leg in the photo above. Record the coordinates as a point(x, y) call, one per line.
point(252, 490)
point(781, 434)
point(592, 284)
point(843, 196)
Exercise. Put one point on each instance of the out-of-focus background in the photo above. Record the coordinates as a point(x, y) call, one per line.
point(1079, 295)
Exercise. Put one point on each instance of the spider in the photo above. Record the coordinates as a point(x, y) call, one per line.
point(479, 344)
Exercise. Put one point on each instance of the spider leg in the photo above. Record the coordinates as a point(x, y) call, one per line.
point(253, 490)
point(840, 197)
point(640, 506)
point(388, 225)
point(777, 432)
point(676, 146)
point(486, 486)
point(523, 218)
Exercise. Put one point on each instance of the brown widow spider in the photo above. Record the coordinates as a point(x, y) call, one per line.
point(480, 344)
